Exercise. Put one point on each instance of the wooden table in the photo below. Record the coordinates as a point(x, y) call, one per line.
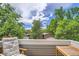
point(67, 50)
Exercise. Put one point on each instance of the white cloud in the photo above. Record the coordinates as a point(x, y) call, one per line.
point(28, 28)
point(24, 20)
point(28, 7)
point(39, 7)
point(39, 15)
point(44, 18)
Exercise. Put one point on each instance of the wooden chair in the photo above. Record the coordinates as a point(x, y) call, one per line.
point(11, 47)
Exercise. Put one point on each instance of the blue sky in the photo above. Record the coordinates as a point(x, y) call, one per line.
point(42, 11)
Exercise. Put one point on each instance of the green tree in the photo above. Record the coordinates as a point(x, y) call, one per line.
point(60, 30)
point(72, 30)
point(59, 13)
point(36, 30)
point(68, 14)
point(9, 25)
point(52, 26)
point(66, 24)
point(72, 13)
point(7, 11)
point(75, 11)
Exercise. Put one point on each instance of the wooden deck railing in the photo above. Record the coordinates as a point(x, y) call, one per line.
point(43, 47)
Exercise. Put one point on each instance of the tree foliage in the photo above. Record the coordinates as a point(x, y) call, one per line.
point(59, 13)
point(52, 27)
point(9, 25)
point(72, 30)
point(36, 30)
point(66, 24)
point(60, 32)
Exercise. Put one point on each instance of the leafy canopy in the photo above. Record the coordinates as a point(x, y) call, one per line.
point(9, 25)
point(36, 30)
point(66, 24)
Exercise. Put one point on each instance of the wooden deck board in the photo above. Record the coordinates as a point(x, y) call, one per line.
point(68, 50)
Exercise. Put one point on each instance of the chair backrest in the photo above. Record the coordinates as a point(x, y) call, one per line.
point(10, 46)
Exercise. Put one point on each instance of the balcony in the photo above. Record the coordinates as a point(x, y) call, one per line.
point(43, 47)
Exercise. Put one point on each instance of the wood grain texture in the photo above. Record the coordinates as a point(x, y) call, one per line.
point(68, 50)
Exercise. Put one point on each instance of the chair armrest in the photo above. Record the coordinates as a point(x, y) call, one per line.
point(23, 50)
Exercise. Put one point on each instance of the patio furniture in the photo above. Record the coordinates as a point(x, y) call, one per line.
point(67, 50)
point(11, 47)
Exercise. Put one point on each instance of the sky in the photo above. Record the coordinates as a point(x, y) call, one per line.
point(42, 11)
